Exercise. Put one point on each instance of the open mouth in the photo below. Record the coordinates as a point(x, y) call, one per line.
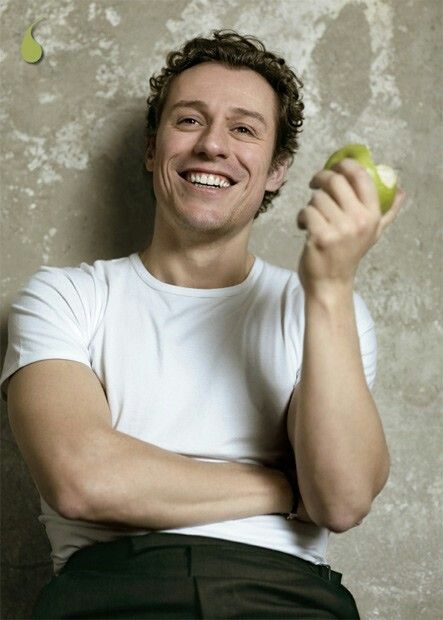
point(207, 182)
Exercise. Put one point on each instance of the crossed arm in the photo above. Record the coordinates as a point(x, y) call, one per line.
point(86, 470)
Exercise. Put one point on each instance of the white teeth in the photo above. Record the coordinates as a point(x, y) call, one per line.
point(207, 179)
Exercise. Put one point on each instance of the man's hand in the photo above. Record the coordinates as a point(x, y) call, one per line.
point(343, 220)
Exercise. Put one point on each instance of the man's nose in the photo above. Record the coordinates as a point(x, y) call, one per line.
point(213, 142)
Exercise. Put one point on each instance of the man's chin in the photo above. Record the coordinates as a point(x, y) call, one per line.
point(198, 216)
point(196, 213)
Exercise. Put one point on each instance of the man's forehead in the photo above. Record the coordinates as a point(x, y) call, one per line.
point(238, 87)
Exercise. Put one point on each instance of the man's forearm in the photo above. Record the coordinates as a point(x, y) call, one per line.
point(341, 453)
point(130, 483)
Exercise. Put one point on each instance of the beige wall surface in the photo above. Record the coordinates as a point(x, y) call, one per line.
point(73, 190)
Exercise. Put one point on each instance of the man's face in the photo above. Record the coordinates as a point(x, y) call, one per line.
point(219, 121)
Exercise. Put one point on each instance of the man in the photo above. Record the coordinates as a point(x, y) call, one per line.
point(153, 396)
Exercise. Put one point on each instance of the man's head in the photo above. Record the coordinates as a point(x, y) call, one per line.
point(269, 84)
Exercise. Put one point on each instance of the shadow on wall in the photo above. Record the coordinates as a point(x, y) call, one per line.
point(120, 212)
point(118, 201)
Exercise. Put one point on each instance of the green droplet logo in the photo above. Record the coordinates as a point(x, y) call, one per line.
point(31, 51)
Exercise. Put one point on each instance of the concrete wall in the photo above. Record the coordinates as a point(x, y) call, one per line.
point(73, 190)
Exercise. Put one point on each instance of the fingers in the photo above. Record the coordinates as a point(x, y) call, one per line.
point(360, 181)
point(326, 206)
point(393, 211)
point(346, 198)
point(333, 202)
point(349, 185)
point(390, 215)
point(313, 221)
point(336, 186)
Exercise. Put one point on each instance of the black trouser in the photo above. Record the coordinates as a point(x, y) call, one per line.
point(180, 576)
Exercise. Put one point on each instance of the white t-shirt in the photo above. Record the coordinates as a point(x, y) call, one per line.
point(206, 373)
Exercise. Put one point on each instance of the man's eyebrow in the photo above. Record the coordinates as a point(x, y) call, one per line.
point(197, 103)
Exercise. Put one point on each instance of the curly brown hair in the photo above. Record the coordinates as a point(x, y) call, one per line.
point(234, 50)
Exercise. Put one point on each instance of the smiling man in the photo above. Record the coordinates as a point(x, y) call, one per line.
point(211, 160)
point(196, 419)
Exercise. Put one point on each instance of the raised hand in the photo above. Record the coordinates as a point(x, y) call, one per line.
point(343, 220)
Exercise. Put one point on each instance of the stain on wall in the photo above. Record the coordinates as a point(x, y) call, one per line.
point(74, 189)
point(336, 55)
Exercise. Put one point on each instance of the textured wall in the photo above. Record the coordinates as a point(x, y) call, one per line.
point(73, 190)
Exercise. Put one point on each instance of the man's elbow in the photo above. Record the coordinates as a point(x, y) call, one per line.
point(340, 523)
point(70, 507)
point(68, 499)
point(346, 520)
point(339, 518)
point(342, 526)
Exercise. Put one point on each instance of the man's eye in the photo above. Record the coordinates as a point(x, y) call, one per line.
point(246, 130)
point(188, 120)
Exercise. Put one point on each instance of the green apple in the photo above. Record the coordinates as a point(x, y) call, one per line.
point(383, 176)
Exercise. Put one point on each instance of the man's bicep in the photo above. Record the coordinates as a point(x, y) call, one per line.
point(57, 409)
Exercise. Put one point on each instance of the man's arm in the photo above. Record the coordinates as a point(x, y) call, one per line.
point(333, 424)
point(86, 470)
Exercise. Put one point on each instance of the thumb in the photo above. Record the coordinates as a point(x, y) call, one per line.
point(390, 215)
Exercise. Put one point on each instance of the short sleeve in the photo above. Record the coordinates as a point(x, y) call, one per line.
point(50, 318)
point(367, 338)
point(365, 329)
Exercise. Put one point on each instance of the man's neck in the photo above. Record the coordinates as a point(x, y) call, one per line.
point(195, 271)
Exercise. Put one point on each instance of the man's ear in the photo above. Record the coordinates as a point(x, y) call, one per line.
point(150, 154)
point(276, 176)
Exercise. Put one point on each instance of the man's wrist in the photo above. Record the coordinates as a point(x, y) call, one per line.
point(330, 294)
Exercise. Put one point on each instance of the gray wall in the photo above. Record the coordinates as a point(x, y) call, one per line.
point(73, 190)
